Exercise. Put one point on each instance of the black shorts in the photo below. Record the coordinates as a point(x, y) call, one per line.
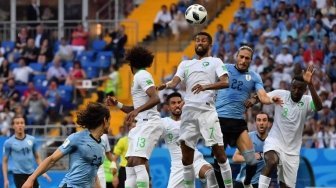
point(231, 129)
point(20, 179)
point(122, 177)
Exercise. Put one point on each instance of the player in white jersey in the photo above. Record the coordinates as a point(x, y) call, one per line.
point(283, 144)
point(202, 76)
point(143, 137)
point(171, 134)
point(108, 155)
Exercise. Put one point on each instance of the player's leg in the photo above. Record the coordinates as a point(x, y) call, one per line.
point(271, 162)
point(188, 168)
point(290, 166)
point(224, 165)
point(245, 146)
point(207, 172)
point(122, 177)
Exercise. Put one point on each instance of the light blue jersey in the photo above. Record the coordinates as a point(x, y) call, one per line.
point(21, 153)
point(230, 101)
point(86, 155)
point(258, 144)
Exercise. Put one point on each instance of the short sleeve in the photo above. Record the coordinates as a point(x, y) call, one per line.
point(69, 144)
point(181, 70)
point(6, 149)
point(275, 93)
point(221, 69)
point(119, 147)
point(258, 82)
point(107, 146)
point(145, 80)
point(34, 145)
point(311, 106)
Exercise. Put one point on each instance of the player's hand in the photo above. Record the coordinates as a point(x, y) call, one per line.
point(28, 184)
point(250, 102)
point(308, 75)
point(198, 88)
point(114, 171)
point(111, 101)
point(277, 100)
point(45, 175)
point(131, 116)
point(6, 183)
point(161, 87)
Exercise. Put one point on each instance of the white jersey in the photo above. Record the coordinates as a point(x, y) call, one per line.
point(101, 172)
point(289, 119)
point(204, 71)
point(141, 82)
point(171, 133)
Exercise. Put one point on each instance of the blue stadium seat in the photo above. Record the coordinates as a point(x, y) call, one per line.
point(36, 66)
point(86, 56)
point(68, 65)
point(98, 45)
point(40, 80)
point(65, 92)
point(8, 46)
point(91, 71)
point(21, 88)
point(103, 59)
point(13, 66)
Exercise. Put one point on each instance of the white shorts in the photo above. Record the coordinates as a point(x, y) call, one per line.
point(288, 165)
point(196, 123)
point(143, 138)
point(176, 173)
point(101, 176)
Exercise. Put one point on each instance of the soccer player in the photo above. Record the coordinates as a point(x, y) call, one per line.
point(202, 76)
point(258, 137)
point(84, 148)
point(282, 146)
point(143, 137)
point(171, 133)
point(108, 154)
point(231, 109)
point(22, 150)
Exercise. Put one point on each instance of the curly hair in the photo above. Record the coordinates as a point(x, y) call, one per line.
point(93, 116)
point(139, 57)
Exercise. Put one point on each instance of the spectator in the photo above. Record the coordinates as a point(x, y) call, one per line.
point(11, 93)
point(21, 74)
point(332, 34)
point(235, 25)
point(6, 117)
point(4, 69)
point(318, 32)
point(54, 100)
point(273, 30)
point(162, 20)
point(285, 58)
point(178, 24)
point(288, 31)
point(30, 52)
point(21, 40)
point(331, 69)
point(76, 73)
point(329, 8)
point(257, 66)
point(113, 85)
point(117, 44)
point(30, 90)
point(65, 52)
point(40, 36)
point(279, 75)
point(45, 53)
point(244, 36)
point(33, 13)
point(313, 55)
point(47, 14)
point(243, 12)
point(329, 21)
point(57, 72)
point(36, 106)
point(79, 39)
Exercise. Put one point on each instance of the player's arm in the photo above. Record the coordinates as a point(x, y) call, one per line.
point(44, 166)
point(171, 84)
point(307, 76)
point(112, 101)
point(223, 82)
point(97, 183)
point(5, 171)
point(238, 157)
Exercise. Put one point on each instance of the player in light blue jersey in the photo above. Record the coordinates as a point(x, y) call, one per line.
point(230, 106)
point(258, 137)
point(84, 148)
point(21, 148)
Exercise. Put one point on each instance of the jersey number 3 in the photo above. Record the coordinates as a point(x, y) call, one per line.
point(236, 84)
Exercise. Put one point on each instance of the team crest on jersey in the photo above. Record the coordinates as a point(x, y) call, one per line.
point(248, 77)
point(29, 142)
point(149, 82)
point(300, 104)
point(205, 64)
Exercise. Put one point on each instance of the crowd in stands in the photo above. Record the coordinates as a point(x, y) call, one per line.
point(39, 75)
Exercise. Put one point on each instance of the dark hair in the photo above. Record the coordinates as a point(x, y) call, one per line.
point(175, 94)
point(298, 77)
point(93, 116)
point(139, 57)
point(261, 112)
point(205, 34)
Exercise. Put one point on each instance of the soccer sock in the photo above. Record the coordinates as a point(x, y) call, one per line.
point(189, 176)
point(130, 178)
point(251, 165)
point(142, 178)
point(226, 173)
point(211, 179)
point(264, 181)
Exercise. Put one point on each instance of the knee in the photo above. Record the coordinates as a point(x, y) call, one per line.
point(187, 154)
point(271, 163)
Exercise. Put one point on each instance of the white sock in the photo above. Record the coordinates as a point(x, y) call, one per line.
point(211, 179)
point(130, 178)
point(142, 178)
point(189, 176)
point(264, 181)
point(226, 173)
